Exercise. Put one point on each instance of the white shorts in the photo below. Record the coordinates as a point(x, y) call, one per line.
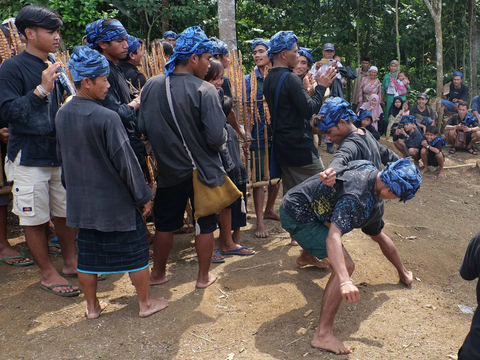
point(38, 192)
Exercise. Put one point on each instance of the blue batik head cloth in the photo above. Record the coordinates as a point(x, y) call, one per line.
point(332, 111)
point(191, 41)
point(280, 41)
point(307, 53)
point(219, 47)
point(259, 41)
point(365, 113)
point(97, 31)
point(458, 73)
point(133, 44)
point(402, 177)
point(170, 34)
point(408, 119)
point(87, 63)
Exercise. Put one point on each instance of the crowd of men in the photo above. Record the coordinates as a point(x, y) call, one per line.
point(82, 162)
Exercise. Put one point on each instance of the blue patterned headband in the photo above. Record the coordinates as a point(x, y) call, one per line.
point(191, 41)
point(259, 41)
point(133, 44)
point(408, 119)
point(170, 34)
point(280, 41)
point(97, 32)
point(332, 111)
point(219, 47)
point(402, 177)
point(87, 63)
point(307, 53)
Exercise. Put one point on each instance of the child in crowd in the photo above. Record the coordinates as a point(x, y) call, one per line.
point(407, 138)
point(232, 217)
point(402, 83)
point(431, 151)
point(365, 121)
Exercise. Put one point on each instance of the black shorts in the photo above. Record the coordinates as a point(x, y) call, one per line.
point(432, 159)
point(169, 208)
point(374, 229)
point(239, 219)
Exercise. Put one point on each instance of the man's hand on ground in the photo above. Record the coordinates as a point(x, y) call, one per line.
point(350, 293)
point(329, 176)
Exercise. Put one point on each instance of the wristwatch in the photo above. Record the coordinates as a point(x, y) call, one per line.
point(428, 146)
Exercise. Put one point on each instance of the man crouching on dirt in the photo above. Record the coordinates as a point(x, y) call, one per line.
point(335, 120)
point(317, 215)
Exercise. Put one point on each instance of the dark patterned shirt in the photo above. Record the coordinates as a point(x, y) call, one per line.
point(349, 204)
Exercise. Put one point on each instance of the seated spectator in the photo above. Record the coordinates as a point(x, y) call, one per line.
point(423, 113)
point(373, 105)
point(476, 107)
point(394, 115)
point(470, 270)
point(463, 130)
point(431, 151)
point(365, 121)
point(408, 139)
point(454, 92)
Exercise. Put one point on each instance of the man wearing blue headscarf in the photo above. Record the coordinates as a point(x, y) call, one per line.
point(132, 61)
point(408, 139)
point(454, 92)
point(317, 215)
point(335, 120)
point(199, 116)
point(109, 37)
point(255, 136)
point(112, 236)
point(170, 37)
point(463, 130)
point(304, 64)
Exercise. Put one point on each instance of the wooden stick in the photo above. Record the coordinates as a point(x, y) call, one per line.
point(461, 166)
point(266, 162)
point(254, 170)
point(263, 183)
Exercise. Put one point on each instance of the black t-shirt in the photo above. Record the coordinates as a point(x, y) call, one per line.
point(459, 94)
point(455, 120)
point(350, 204)
point(470, 270)
point(227, 86)
point(132, 74)
point(428, 111)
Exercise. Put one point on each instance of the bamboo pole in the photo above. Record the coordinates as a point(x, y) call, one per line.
point(254, 172)
point(266, 163)
point(263, 183)
point(475, 164)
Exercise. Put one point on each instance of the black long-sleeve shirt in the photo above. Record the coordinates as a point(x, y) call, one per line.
point(31, 119)
point(293, 137)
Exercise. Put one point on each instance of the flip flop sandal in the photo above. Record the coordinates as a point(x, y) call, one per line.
point(217, 255)
point(472, 151)
point(452, 150)
point(238, 251)
point(21, 256)
point(67, 294)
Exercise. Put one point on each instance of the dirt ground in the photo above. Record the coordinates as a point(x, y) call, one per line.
point(264, 306)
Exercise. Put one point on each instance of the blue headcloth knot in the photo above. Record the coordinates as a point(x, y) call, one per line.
point(458, 73)
point(436, 140)
point(364, 114)
point(191, 41)
point(87, 63)
point(280, 41)
point(408, 119)
point(219, 47)
point(334, 109)
point(97, 32)
point(170, 34)
point(307, 53)
point(133, 44)
point(259, 41)
point(402, 177)
point(469, 119)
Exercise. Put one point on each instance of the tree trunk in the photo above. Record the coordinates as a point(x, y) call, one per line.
point(358, 34)
point(473, 49)
point(226, 23)
point(435, 8)
point(165, 18)
point(398, 33)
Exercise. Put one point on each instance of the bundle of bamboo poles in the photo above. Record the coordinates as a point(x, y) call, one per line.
point(153, 63)
point(11, 45)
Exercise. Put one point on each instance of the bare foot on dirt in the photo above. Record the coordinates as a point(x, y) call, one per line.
point(261, 231)
point(272, 215)
point(314, 261)
point(159, 281)
point(330, 343)
point(424, 170)
point(406, 278)
point(293, 242)
point(154, 305)
point(211, 279)
point(440, 175)
point(96, 311)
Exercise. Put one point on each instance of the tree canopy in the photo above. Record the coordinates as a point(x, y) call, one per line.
point(315, 22)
